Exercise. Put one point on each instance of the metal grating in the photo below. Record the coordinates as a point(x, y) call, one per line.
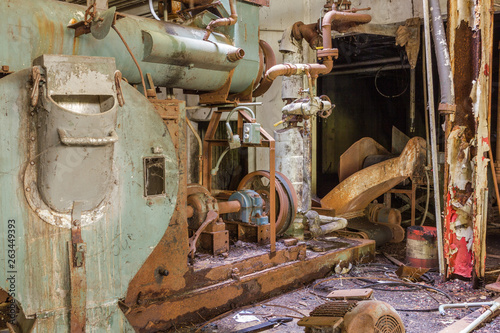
point(388, 324)
point(334, 309)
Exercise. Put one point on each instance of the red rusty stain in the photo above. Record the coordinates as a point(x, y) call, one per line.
point(486, 70)
point(486, 140)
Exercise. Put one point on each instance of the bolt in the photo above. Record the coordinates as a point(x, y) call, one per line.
point(163, 272)
point(32, 162)
point(32, 138)
point(5, 68)
point(175, 121)
point(28, 189)
point(150, 203)
point(176, 133)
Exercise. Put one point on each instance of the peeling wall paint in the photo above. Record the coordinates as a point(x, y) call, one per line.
point(467, 147)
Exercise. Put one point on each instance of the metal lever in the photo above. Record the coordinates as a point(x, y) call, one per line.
point(87, 141)
point(211, 217)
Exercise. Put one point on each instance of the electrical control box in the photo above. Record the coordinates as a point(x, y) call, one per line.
point(251, 133)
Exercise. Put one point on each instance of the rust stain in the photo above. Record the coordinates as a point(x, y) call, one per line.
point(463, 77)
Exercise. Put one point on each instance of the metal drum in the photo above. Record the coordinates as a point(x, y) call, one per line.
point(421, 247)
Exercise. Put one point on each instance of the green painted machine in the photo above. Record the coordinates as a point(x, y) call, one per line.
point(98, 226)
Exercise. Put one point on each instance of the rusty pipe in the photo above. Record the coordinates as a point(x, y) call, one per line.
point(309, 32)
point(295, 69)
point(231, 20)
point(236, 55)
point(225, 207)
point(335, 16)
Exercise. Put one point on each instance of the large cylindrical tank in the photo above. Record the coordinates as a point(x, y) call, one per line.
point(34, 27)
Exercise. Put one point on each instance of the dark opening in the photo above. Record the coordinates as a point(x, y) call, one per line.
point(154, 176)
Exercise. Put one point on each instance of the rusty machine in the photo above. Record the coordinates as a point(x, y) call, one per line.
point(99, 228)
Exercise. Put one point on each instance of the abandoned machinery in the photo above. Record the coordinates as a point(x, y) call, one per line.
point(103, 231)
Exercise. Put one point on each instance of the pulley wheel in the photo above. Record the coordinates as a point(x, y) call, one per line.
point(259, 182)
point(291, 194)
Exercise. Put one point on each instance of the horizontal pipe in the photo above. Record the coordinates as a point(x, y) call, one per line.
point(163, 48)
point(443, 307)
point(481, 318)
point(226, 207)
point(296, 69)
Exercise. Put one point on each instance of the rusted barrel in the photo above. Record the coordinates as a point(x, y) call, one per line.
point(421, 247)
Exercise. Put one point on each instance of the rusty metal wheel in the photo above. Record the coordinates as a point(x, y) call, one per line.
point(259, 182)
point(292, 196)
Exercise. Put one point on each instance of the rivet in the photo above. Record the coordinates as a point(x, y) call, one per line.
point(176, 133)
point(175, 121)
point(32, 162)
point(176, 145)
point(28, 189)
point(32, 138)
point(177, 208)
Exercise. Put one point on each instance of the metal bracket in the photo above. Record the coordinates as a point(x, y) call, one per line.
point(78, 278)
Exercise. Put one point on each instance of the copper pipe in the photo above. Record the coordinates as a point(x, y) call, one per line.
point(236, 55)
point(226, 207)
point(334, 16)
point(293, 69)
point(231, 20)
point(309, 32)
point(270, 60)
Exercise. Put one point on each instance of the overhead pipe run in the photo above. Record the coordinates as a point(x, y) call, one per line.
point(327, 53)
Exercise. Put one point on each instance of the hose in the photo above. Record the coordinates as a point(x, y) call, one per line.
point(153, 12)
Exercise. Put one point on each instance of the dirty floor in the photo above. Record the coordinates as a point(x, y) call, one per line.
point(417, 307)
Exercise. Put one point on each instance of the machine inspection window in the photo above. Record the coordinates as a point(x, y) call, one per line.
point(154, 176)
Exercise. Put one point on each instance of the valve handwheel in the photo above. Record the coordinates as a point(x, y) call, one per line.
point(326, 113)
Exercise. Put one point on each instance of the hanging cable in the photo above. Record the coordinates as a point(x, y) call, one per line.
point(133, 58)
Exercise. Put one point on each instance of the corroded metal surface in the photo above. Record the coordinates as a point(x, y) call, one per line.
point(117, 245)
point(361, 188)
point(351, 161)
point(252, 284)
